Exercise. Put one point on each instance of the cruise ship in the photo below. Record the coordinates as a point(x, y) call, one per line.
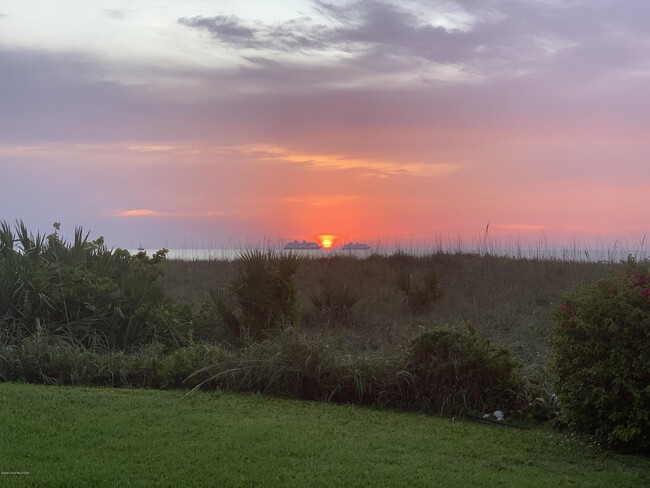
point(302, 246)
point(356, 246)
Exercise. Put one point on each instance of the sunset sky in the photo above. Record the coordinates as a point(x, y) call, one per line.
point(174, 122)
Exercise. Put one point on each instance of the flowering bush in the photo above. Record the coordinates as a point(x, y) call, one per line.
point(602, 358)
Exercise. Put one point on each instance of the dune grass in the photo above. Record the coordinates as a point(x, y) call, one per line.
point(66, 436)
point(506, 299)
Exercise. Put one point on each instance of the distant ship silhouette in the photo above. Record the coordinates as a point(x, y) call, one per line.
point(303, 246)
point(356, 246)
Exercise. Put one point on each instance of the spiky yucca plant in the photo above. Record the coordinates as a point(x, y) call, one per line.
point(335, 300)
point(261, 294)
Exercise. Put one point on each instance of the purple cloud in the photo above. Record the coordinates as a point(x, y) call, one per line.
point(505, 37)
point(232, 31)
point(227, 29)
point(596, 82)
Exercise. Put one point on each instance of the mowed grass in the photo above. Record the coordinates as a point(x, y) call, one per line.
point(68, 436)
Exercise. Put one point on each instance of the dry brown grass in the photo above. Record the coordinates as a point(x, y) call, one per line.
point(506, 299)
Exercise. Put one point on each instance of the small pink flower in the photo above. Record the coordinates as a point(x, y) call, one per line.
point(571, 315)
point(564, 308)
point(645, 292)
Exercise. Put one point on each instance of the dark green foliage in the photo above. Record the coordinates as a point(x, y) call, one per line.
point(171, 324)
point(39, 358)
point(419, 289)
point(399, 259)
point(188, 366)
point(455, 370)
point(221, 305)
point(83, 290)
point(291, 365)
point(335, 300)
point(444, 371)
point(601, 343)
point(537, 397)
point(45, 358)
point(261, 295)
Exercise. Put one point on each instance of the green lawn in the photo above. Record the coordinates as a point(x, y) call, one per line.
point(110, 437)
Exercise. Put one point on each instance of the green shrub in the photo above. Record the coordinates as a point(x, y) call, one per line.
point(261, 295)
point(221, 306)
point(371, 378)
point(537, 397)
point(170, 324)
point(291, 365)
point(99, 297)
point(154, 366)
point(444, 371)
point(601, 343)
point(288, 364)
point(335, 300)
point(189, 366)
point(455, 371)
point(419, 290)
point(49, 359)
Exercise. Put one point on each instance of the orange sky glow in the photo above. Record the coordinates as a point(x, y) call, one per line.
point(400, 123)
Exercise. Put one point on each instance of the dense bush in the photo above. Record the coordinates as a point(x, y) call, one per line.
point(102, 298)
point(419, 289)
point(335, 300)
point(51, 359)
point(291, 365)
point(287, 365)
point(444, 371)
point(602, 358)
point(537, 397)
point(452, 370)
point(261, 295)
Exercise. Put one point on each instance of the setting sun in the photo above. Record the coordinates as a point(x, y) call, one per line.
point(278, 136)
point(326, 240)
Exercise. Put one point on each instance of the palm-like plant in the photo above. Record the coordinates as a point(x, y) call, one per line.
point(82, 289)
point(261, 295)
